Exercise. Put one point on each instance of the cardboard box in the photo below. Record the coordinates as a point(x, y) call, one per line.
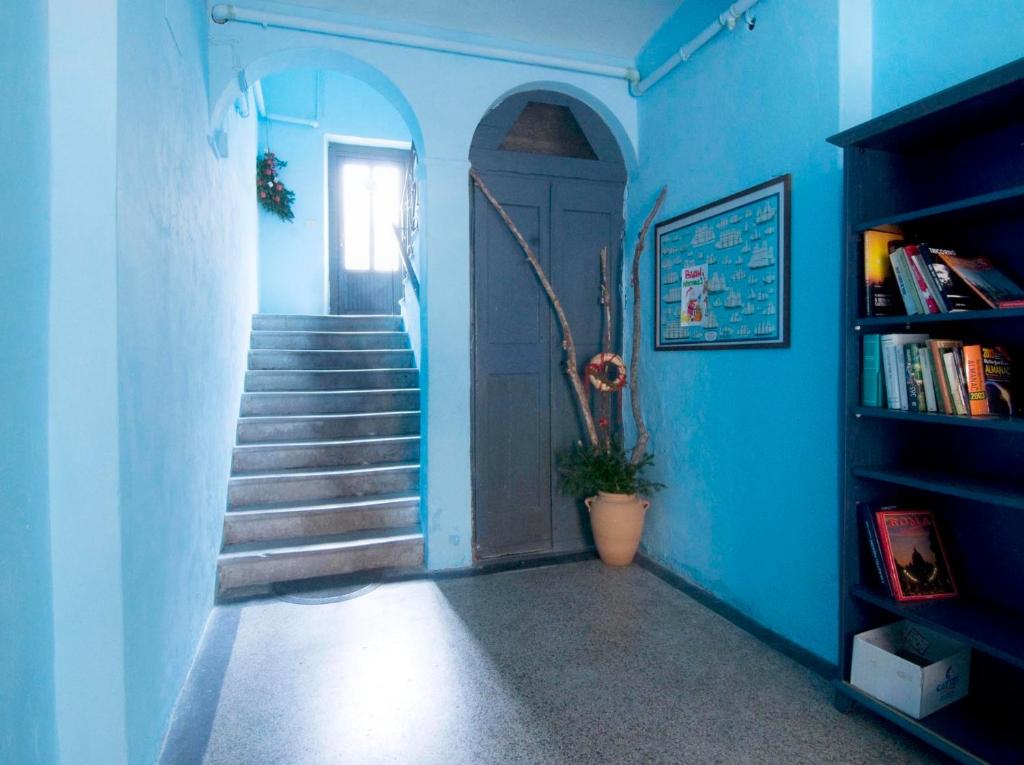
point(917, 689)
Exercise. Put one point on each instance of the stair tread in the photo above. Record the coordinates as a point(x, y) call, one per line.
point(349, 540)
point(327, 315)
point(328, 472)
point(344, 332)
point(311, 506)
point(281, 445)
point(330, 391)
point(329, 350)
point(306, 417)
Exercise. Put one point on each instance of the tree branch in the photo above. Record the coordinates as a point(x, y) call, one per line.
point(572, 365)
point(642, 436)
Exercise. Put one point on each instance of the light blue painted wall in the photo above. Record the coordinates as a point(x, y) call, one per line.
point(26, 638)
point(293, 266)
point(186, 288)
point(747, 439)
point(921, 48)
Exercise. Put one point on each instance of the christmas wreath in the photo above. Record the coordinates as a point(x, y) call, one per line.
point(271, 193)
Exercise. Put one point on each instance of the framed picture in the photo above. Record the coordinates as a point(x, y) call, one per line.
point(721, 273)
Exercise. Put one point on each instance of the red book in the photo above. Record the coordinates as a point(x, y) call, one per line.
point(914, 556)
point(914, 257)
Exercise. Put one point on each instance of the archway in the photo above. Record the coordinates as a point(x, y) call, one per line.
point(555, 165)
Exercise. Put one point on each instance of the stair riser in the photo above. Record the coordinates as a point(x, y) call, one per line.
point(328, 342)
point(328, 323)
point(255, 431)
point(307, 565)
point(379, 453)
point(351, 380)
point(245, 492)
point(297, 360)
point(329, 403)
point(241, 529)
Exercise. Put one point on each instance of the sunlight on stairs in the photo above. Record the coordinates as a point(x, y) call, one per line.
point(325, 475)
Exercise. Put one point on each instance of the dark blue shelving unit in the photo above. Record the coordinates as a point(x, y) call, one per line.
point(948, 170)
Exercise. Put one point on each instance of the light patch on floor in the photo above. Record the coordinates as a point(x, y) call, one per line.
point(576, 663)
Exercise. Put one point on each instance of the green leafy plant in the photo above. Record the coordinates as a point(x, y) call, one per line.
point(587, 469)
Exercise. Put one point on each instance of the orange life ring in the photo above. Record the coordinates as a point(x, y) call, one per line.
point(599, 370)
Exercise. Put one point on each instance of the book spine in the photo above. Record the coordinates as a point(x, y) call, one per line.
point(902, 283)
point(892, 372)
point(949, 363)
point(930, 394)
point(871, 372)
point(917, 376)
point(887, 557)
point(908, 378)
point(960, 388)
point(928, 302)
point(867, 517)
point(940, 376)
point(975, 373)
point(924, 267)
point(940, 286)
point(998, 380)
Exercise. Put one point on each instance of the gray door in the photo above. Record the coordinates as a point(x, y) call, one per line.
point(365, 191)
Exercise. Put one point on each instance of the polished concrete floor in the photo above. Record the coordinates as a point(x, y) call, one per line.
point(576, 663)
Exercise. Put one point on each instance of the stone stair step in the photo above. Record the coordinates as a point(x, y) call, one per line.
point(248, 458)
point(346, 379)
point(326, 427)
point(330, 402)
point(352, 323)
point(301, 485)
point(298, 360)
point(325, 341)
point(258, 563)
point(295, 521)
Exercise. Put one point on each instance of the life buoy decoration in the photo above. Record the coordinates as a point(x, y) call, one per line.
point(607, 372)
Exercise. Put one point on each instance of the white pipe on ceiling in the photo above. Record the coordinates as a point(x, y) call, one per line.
point(223, 13)
point(726, 20)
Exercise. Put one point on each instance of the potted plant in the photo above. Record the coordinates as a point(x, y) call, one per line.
point(612, 486)
point(600, 471)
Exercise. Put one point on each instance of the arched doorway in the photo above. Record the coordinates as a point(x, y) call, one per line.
point(558, 170)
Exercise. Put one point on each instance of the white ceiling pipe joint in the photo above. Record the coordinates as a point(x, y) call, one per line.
point(726, 20)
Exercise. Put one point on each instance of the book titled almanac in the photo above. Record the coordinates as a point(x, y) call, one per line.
point(913, 555)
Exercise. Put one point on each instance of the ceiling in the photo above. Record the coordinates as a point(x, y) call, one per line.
point(614, 29)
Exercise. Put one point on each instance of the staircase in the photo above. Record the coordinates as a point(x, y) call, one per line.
point(325, 475)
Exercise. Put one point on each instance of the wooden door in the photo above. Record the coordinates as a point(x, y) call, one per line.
point(365, 191)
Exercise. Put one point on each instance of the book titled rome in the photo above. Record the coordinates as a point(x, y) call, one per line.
point(914, 555)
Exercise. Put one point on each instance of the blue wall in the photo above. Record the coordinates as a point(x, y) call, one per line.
point(292, 255)
point(921, 48)
point(26, 638)
point(747, 439)
point(186, 289)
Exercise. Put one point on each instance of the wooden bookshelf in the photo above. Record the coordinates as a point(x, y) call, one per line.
point(947, 170)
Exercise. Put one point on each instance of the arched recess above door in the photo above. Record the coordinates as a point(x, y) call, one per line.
point(542, 132)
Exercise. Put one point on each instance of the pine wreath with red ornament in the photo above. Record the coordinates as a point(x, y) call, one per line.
point(271, 193)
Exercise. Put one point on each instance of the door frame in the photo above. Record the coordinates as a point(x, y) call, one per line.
point(337, 151)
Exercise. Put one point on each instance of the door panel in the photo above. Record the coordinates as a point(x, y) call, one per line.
point(524, 410)
point(511, 423)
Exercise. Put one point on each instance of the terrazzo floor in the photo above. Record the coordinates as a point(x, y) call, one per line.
point(576, 663)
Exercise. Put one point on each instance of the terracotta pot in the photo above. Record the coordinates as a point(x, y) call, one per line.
point(617, 521)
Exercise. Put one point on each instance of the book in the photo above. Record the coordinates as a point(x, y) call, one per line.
point(869, 527)
point(872, 381)
point(974, 372)
point(954, 291)
point(880, 287)
point(928, 373)
point(904, 281)
point(987, 281)
point(914, 556)
point(996, 368)
point(894, 366)
point(937, 347)
point(915, 381)
point(957, 381)
point(918, 271)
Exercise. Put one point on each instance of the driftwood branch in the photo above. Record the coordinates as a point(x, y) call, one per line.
point(606, 302)
point(572, 365)
point(642, 436)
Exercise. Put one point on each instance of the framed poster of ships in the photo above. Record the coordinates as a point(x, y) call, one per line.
point(721, 275)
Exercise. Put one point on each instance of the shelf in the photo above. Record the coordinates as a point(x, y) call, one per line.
point(977, 490)
point(965, 731)
point(994, 203)
point(997, 633)
point(989, 422)
point(955, 317)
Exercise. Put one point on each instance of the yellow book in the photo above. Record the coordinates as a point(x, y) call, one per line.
point(879, 281)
